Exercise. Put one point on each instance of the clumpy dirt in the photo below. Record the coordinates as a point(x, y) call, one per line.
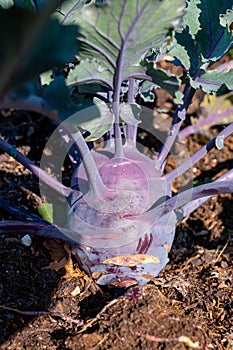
point(188, 306)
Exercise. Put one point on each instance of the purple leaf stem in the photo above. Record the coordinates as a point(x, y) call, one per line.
point(48, 230)
point(41, 174)
point(100, 51)
point(20, 213)
point(175, 127)
point(211, 119)
point(226, 66)
point(71, 147)
point(118, 79)
point(110, 43)
point(153, 215)
point(193, 205)
point(35, 228)
point(198, 155)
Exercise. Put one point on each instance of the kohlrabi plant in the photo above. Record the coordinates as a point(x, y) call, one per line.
point(93, 64)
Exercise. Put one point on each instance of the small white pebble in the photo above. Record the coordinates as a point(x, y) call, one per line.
point(194, 170)
point(219, 142)
point(26, 240)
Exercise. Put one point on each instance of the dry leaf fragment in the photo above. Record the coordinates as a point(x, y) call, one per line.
point(57, 265)
point(60, 253)
point(61, 256)
point(132, 260)
point(76, 291)
point(58, 250)
point(71, 271)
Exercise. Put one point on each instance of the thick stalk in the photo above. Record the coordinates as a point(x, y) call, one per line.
point(97, 187)
point(41, 174)
point(34, 228)
point(72, 149)
point(131, 135)
point(119, 152)
point(198, 155)
point(131, 130)
point(109, 143)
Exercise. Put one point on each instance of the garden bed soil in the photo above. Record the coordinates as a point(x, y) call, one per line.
point(188, 306)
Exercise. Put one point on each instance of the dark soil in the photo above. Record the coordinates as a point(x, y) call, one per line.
point(188, 306)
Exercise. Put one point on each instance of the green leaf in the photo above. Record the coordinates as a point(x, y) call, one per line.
point(161, 78)
point(227, 19)
point(27, 4)
point(230, 52)
point(34, 5)
point(147, 95)
point(213, 40)
point(26, 90)
point(89, 72)
point(198, 48)
point(209, 43)
point(5, 4)
point(68, 10)
point(46, 211)
point(47, 77)
point(92, 88)
point(57, 96)
point(192, 16)
point(53, 213)
point(183, 48)
point(212, 80)
point(33, 43)
point(102, 121)
point(179, 97)
point(130, 113)
point(55, 47)
point(120, 33)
